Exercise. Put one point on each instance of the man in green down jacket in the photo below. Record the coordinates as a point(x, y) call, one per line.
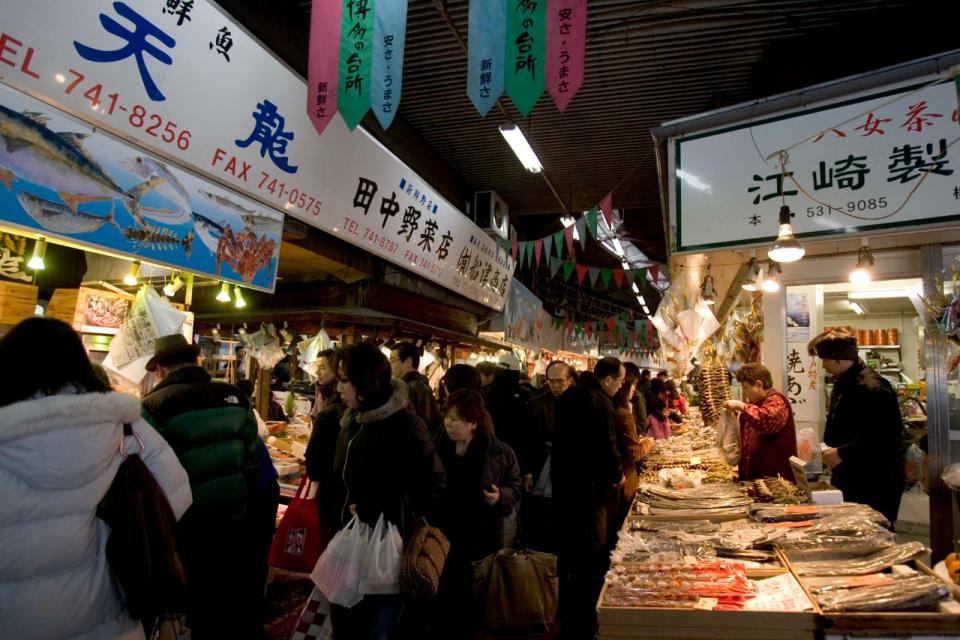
point(210, 426)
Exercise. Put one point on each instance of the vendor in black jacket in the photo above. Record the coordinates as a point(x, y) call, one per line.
point(864, 428)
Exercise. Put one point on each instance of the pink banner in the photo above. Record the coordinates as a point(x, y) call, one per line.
point(566, 43)
point(322, 63)
point(568, 236)
point(606, 208)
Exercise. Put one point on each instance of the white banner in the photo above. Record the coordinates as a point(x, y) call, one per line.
point(877, 161)
point(184, 80)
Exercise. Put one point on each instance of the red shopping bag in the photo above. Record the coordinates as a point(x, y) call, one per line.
point(297, 542)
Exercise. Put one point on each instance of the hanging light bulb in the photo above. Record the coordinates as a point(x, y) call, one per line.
point(785, 248)
point(131, 278)
point(171, 288)
point(224, 295)
point(771, 284)
point(861, 274)
point(752, 282)
point(239, 302)
point(39, 251)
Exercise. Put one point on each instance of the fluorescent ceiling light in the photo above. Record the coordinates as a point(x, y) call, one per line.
point(856, 308)
point(618, 247)
point(636, 288)
point(521, 148)
point(641, 300)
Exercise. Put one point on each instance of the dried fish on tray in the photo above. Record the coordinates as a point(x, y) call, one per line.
point(682, 586)
point(705, 500)
point(776, 490)
point(643, 548)
point(797, 513)
point(836, 536)
point(872, 563)
point(897, 593)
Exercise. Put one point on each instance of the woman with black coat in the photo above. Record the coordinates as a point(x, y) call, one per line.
point(385, 463)
point(483, 488)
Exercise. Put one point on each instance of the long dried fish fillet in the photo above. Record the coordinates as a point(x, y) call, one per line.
point(861, 566)
point(913, 592)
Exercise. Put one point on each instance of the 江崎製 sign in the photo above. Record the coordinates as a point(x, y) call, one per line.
point(877, 161)
point(185, 81)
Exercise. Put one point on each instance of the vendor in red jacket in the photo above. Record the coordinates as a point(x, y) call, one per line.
point(767, 434)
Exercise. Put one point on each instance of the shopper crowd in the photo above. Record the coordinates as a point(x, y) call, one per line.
point(489, 461)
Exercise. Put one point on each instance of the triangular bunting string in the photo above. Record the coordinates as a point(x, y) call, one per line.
point(606, 206)
point(558, 243)
point(568, 236)
point(513, 248)
point(581, 225)
point(605, 276)
point(538, 249)
point(592, 223)
point(581, 272)
point(593, 273)
point(555, 264)
point(568, 268)
point(654, 273)
point(618, 277)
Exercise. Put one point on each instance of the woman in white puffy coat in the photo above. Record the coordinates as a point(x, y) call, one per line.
point(60, 432)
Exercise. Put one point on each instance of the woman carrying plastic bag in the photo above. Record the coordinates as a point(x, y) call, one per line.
point(381, 572)
point(338, 570)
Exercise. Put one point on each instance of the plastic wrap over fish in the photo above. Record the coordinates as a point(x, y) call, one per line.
point(310, 349)
point(861, 566)
point(265, 347)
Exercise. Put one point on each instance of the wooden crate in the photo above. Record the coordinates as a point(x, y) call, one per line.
point(63, 304)
point(17, 301)
point(894, 624)
point(658, 623)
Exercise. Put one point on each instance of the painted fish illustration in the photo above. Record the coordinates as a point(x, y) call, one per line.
point(169, 187)
point(55, 216)
point(226, 204)
point(263, 224)
point(209, 231)
point(58, 161)
point(151, 237)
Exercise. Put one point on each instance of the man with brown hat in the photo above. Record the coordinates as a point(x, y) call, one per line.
point(864, 428)
point(211, 427)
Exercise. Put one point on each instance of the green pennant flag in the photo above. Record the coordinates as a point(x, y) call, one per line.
point(592, 273)
point(568, 268)
point(356, 62)
point(557, 323)
point(592, 221)
point(641, 277)
point(530, 252)
point(555, 264)
point(605, 275)
point(525, 53)
point(558, 243)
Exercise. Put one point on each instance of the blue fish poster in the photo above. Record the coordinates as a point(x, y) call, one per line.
point(62, 179)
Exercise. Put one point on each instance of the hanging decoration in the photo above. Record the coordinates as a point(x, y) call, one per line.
point(606, 207)
point(634, 336)
point(356, 58)
point(525, 52)
point(389, 41)
point(486, 31)
point(323, 61)
point(566, 46)
point(684, 322)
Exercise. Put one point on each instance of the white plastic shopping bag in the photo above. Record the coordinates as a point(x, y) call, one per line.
point(729, 433)
point(381, 569)
point(337, 573)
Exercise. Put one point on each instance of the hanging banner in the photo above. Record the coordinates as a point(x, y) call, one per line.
point(254, 137)
point(525, 53)
point(486, 30)
point(322, 62)
point(523, 317)
point(566, 45)
point(61, 179)
point(875, 161)
point(606, 207)
point(356, 60)
point(389, 41)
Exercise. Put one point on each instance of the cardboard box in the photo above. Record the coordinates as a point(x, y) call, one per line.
point(18, 301)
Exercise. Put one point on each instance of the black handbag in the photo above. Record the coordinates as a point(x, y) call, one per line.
point(142, 548)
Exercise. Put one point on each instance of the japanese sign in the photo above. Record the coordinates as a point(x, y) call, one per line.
point(876, 161)
point(183, 90)
point(486, 29)
point(566, 46)
point(323, 62)
point(525, 52)
point(356, 57)
point(63, 180)
point(523, 317)
point(389, 42)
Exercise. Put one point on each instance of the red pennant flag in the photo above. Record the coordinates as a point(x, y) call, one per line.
point(538, 249)
point(618, 277)
point(649, 333)
point(654, 272)
point(606, 208)
point(588, 330)
point(513, 248)
point(323, 59)
point(568, 236)
point(566, 325)
point(581, 272)
point(610, 324)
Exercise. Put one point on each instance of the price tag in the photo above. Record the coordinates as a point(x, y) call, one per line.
point(695, 460)
point(707, 604)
